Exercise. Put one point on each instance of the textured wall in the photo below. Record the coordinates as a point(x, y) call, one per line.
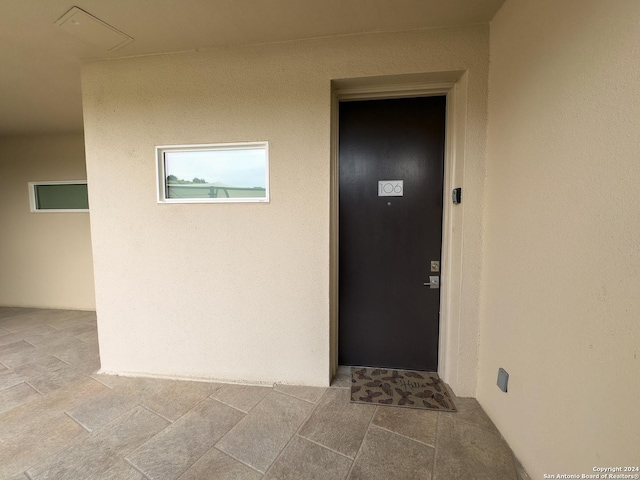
point(241, 291)
point(561, 276)
point(45, 257)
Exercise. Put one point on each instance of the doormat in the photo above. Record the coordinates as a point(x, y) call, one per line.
point(400, 388)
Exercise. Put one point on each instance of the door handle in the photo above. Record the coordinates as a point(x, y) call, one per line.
point(434, 282)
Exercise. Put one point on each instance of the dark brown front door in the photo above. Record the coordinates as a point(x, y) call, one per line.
point(388, 317)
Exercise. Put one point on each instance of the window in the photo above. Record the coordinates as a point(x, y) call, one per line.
point(68, 196)
point(221, 173)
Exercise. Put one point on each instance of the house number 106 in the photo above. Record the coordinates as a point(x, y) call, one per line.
point(390, 188)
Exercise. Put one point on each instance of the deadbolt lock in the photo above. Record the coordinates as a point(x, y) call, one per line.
point(435, 266)
point(434, 282)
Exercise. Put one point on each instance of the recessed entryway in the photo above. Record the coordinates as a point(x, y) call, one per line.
point(453, 332)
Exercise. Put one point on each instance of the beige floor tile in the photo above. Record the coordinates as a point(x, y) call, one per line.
point(11, 311)
point(71, 396)
point(25, 357)
point(45, 365)
point(469, 451)
point(21, 323)
point(34, 331)
point(310, 394)
point(110, 381)
point(49, 373)
point(45, 339)
point(23, 445)
point(15, 348)
point(175, 449)
point(6, 312)
point(27, 419)
point(65, 378)
point(16, 396)
point(39, 429)
point(91, 338)
point(19, 353)
point(80, 329)
point(143, 386)
point(43, 313)
point(337, 423)
point(56, 402)
point(40, 329)
point(179, 397)
point(216, 465)
point(79, 354)
point(67, 319)
point(121, 470)
point(305, 460)
point(470, 411)
point(58, 342)
point(96, 454)
point(104, 408)
point(242, 397)
point(385, 455)
point(9, 338)
point(89, 316)
point(20, 476)
point(68, 323)
point(262, 434)
point(414, 423)
point(9, 378)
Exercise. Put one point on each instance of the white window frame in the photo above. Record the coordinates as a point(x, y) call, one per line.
point(162, 175)
point(32, 197)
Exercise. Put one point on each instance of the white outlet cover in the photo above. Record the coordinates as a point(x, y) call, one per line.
point(391, 188)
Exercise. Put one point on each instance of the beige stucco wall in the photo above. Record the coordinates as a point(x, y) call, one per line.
point(241, 291)
point(561, 274)
point(45, 258)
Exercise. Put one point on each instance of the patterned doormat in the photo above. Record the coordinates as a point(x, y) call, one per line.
point(400, 388)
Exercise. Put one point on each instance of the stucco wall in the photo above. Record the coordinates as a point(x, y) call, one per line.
point(561, 275)
point(45, 258)
point(241, 291)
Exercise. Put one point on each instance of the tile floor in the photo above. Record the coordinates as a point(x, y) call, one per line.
point(60, 420)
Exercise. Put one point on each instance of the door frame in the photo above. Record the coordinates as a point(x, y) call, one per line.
point(453, 86)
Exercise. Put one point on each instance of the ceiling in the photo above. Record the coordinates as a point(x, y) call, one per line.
point(40, 63)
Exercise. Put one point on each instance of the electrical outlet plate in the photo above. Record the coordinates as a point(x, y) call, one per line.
point(503, 379)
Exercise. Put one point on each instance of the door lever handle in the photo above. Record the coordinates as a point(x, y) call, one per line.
point(434, 282)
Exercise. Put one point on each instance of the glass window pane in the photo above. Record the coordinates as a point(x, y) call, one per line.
point(233, 173)
point(61, 197)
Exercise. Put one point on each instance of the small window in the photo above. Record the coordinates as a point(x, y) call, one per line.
point(221, 173)
point(68, 196)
